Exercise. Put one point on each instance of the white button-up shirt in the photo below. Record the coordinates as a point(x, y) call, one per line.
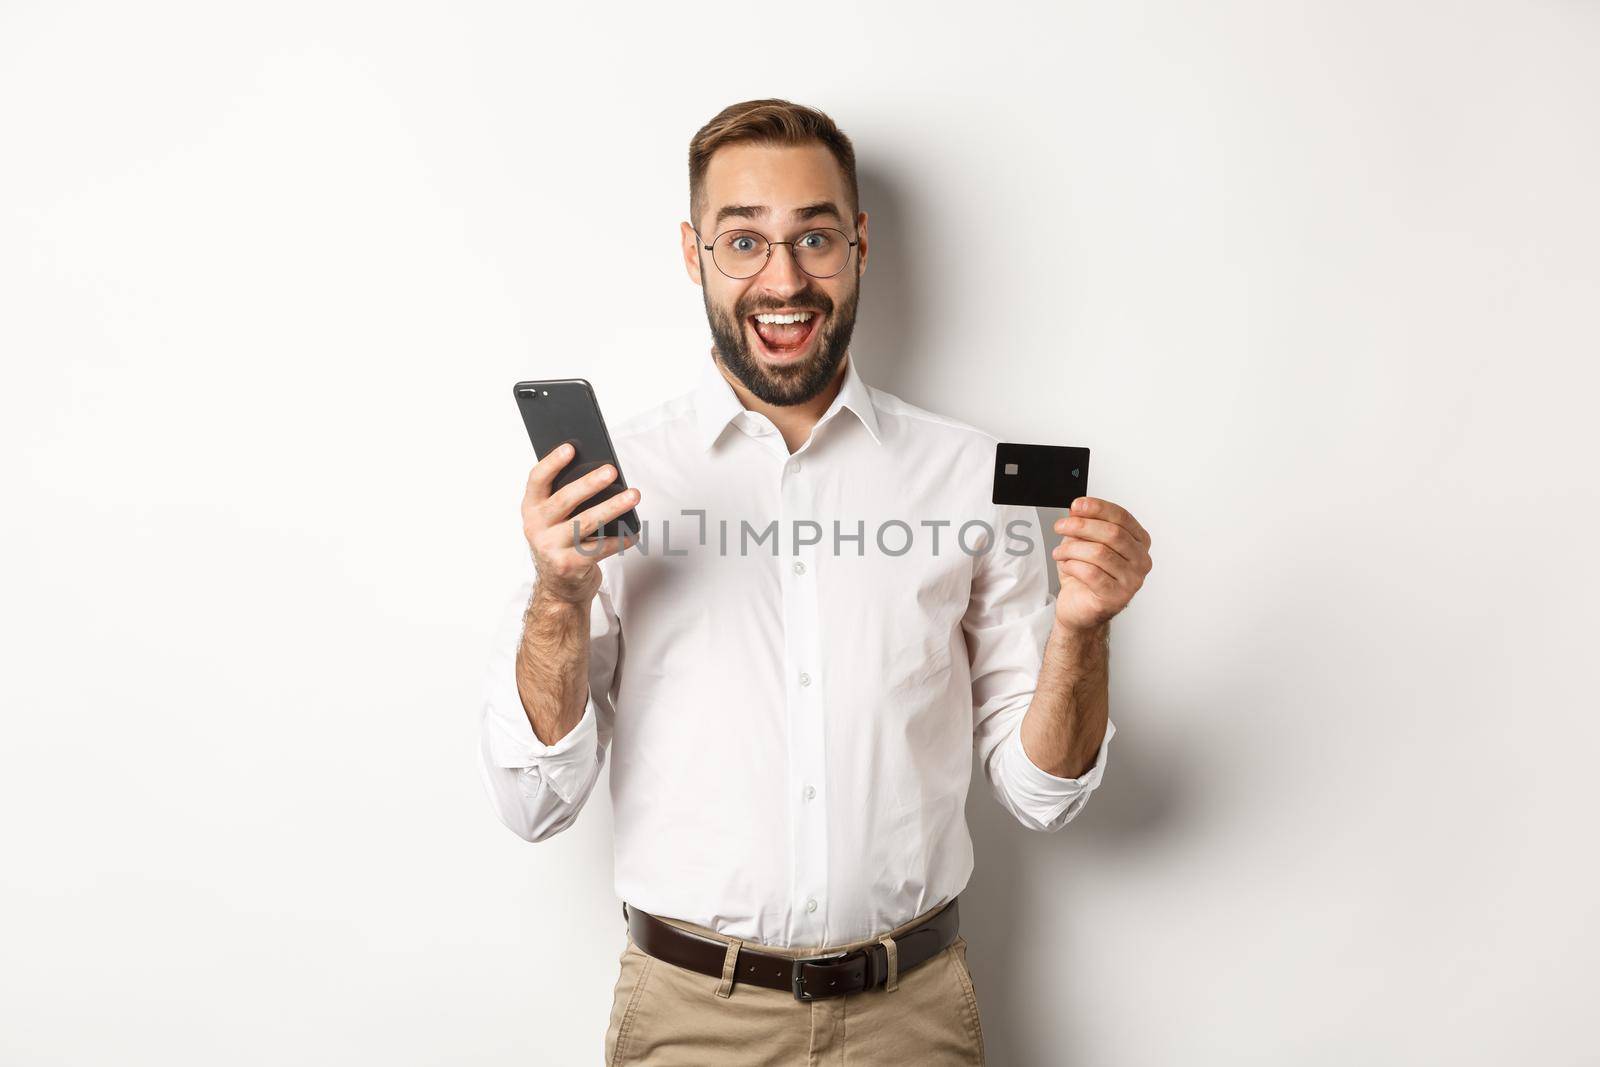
point(791, 670)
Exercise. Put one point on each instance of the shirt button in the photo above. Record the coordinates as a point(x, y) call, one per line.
point(805, 679)
point(811, 791)
point(811, 904)
point(794, 466)
point(799, 568)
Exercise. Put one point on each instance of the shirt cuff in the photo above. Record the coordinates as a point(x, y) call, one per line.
point(564, 765)
point(1051, 795)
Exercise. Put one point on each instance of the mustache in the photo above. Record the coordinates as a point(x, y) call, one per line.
point(808, 299)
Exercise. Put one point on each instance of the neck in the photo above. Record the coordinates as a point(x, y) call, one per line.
point(794, 421)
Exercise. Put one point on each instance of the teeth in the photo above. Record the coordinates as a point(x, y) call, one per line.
point(778, 320)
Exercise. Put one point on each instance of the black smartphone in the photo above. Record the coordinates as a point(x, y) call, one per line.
point(565, 411)
point(1044, 476)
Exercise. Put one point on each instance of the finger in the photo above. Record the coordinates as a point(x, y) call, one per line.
point(1093, 507)
point(591, 519)
point(1098, 581)
point(562, 502)
point(1097, 555)
point(1118, 538)
point(601, 547)
point(544, 473)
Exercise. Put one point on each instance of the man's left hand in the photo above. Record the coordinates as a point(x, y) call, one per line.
point(1102, 560)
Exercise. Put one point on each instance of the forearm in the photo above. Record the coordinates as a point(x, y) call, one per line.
point(553, 665)
point(1066, 721)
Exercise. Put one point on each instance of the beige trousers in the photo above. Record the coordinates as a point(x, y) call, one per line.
point(663, 1015)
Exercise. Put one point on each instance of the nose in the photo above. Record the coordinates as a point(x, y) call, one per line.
point(781, 273)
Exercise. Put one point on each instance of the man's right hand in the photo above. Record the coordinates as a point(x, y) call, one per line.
point(564, 573)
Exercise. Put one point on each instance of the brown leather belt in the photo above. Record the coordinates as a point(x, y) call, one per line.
point(831, 974)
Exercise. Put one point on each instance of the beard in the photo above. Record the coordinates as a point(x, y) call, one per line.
point(789, 383)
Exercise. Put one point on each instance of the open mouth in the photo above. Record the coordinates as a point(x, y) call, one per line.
point(784, 334)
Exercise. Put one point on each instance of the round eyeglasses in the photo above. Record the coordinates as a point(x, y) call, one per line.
point(740, 254)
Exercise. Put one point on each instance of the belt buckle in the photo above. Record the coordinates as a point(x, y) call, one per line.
point(796, 974)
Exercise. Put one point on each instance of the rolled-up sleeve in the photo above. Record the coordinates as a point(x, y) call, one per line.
point(538, 789)
point(1007, 624)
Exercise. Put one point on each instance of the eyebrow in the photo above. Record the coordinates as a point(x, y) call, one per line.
point(758, 211)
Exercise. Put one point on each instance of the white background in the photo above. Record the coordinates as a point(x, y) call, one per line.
point(1317, 283)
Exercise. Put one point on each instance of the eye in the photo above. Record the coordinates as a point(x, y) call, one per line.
point(744, 244)
point(816, 240)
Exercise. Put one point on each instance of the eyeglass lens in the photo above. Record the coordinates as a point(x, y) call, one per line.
point(820, 253)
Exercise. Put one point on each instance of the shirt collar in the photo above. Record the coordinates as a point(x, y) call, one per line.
point(716, 404)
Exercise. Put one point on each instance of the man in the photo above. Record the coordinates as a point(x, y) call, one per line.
point(824, 616)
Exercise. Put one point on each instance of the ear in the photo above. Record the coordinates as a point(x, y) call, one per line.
point(691, 252)
point(861, 244)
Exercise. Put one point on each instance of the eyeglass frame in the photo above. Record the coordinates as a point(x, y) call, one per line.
point(770, 245)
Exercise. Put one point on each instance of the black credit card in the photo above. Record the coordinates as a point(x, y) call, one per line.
point(1044, 476)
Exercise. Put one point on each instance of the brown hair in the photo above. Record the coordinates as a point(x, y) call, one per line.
point(777, 122)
